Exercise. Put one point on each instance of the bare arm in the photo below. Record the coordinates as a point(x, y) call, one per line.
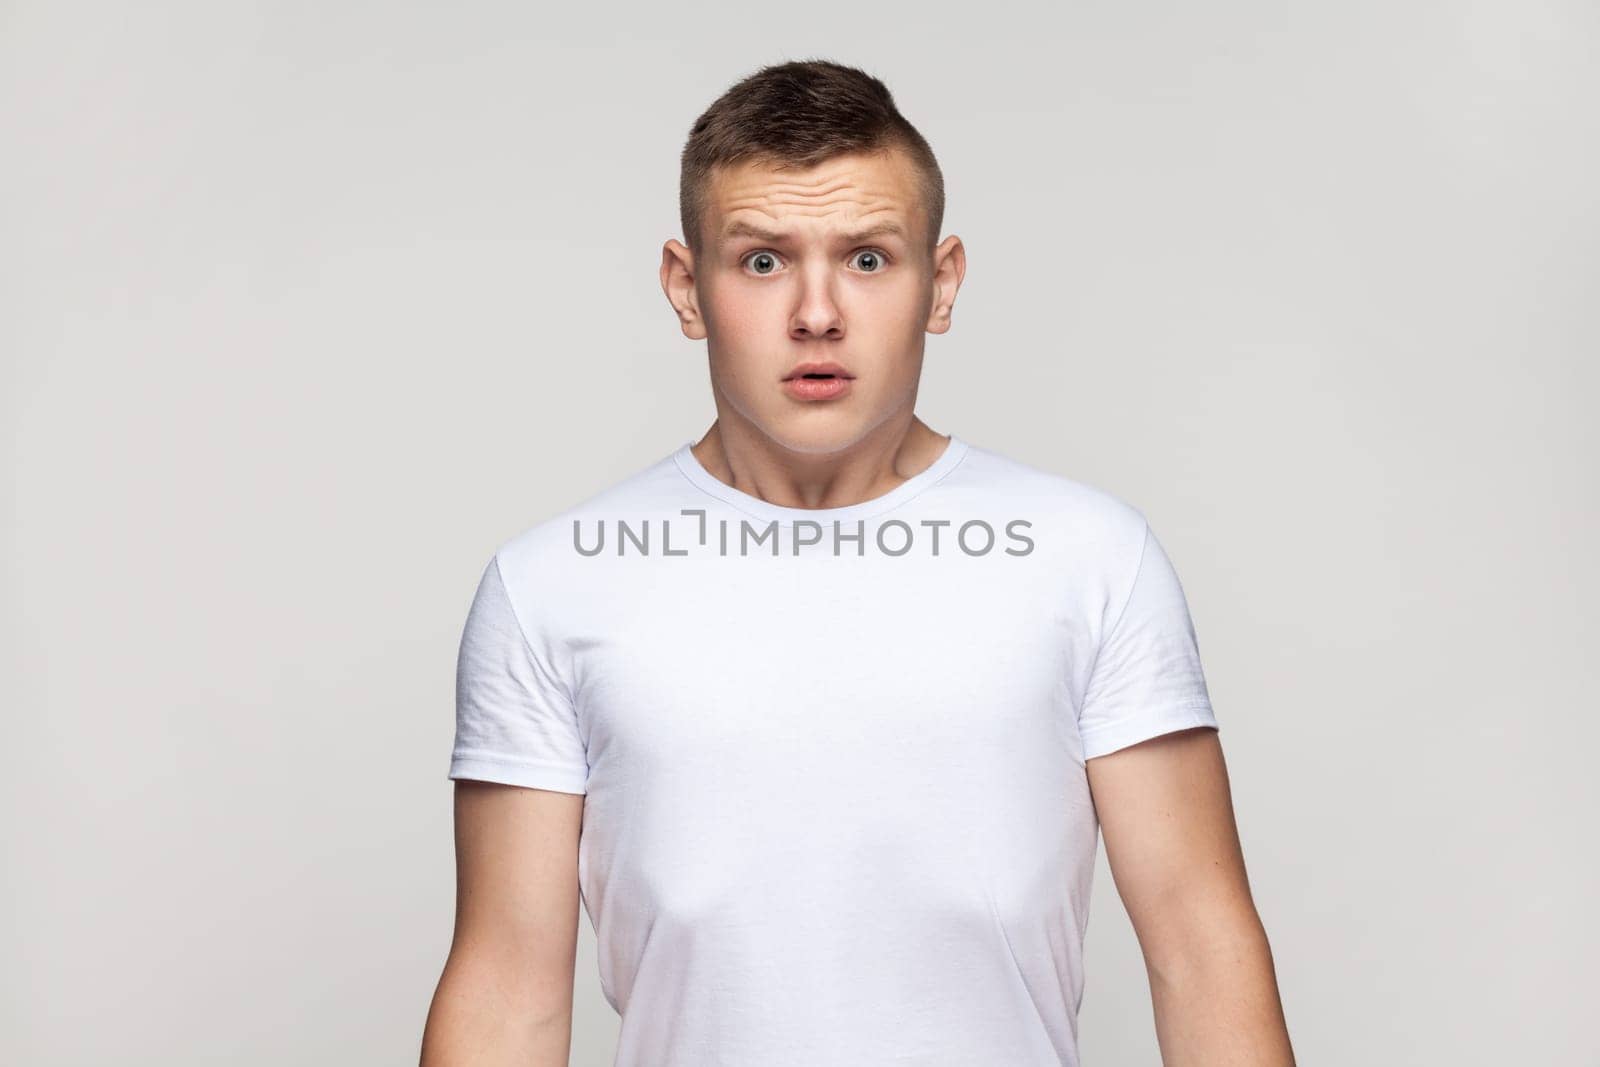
point(505, 996)
point(1166, 814)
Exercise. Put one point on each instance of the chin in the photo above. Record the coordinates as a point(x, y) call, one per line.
point(817, 432)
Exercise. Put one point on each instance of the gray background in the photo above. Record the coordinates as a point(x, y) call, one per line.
point(307, 307)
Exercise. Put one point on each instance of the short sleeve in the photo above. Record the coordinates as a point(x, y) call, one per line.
point(1147, 679)
point(515, 723)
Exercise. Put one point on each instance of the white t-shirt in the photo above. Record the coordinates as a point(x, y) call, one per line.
point(837, 811)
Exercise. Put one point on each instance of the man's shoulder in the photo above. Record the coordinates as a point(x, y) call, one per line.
point(1054, 495)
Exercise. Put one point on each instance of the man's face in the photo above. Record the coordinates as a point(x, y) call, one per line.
point(827, 265)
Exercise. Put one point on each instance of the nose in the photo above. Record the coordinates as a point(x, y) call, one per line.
point(816, 314)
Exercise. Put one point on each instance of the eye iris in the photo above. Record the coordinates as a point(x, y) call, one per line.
point(869, 261)
point(762, 262)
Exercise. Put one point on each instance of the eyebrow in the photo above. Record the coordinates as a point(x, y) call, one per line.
point(740, 228)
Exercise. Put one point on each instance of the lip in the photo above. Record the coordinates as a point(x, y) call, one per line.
point(799, 387)
point(816, 388)
point(826, 366)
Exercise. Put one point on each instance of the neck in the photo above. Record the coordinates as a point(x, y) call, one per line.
point(752, 461)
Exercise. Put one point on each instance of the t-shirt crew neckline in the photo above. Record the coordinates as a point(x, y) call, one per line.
point(954, 451)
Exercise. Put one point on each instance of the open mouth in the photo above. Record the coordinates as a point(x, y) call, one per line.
point(819, 371)
point(817, 379)
point(813, 385)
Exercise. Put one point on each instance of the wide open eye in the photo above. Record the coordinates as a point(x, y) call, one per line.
point(872, 261)
point(762, 262)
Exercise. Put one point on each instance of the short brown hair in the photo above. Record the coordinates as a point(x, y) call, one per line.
point(799, 114)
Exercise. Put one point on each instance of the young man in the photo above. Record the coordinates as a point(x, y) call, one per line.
point(819, 716)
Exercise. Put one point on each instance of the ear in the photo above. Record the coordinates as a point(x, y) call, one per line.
point(677, 281)
point(949, 267)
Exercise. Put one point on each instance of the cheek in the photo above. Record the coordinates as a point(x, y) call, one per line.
point(744, 317)
point(737, 312)
point(890, 311)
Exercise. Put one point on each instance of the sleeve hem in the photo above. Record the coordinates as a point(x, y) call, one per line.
point(557, 777)
point(1103, 742)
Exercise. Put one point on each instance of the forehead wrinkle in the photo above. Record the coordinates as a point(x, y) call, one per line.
point(789, 196)
point(867, 205)
point(869, 183)
point(760, 187)
point(820, 184)
point(764, 209)
point(883, 220)
point(862, 199)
